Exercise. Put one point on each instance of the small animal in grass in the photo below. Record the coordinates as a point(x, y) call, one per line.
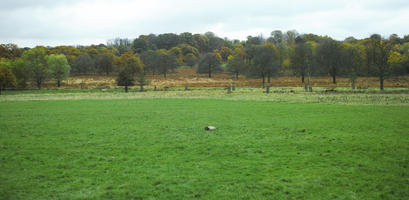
point(209, 128)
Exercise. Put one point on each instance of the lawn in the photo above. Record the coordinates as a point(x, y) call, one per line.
point(157, 148)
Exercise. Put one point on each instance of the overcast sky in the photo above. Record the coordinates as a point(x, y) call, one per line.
point(84, 22)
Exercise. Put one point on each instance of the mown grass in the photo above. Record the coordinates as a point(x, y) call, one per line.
point(158, 149)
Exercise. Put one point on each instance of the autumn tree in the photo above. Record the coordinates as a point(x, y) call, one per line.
point(225, 52)
point(60, 69)
point(10, 51)
point(210, 63)
point(70, 53)
point(37, 64)
point(7, 79)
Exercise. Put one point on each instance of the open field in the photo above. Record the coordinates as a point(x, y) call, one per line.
point(111, 145)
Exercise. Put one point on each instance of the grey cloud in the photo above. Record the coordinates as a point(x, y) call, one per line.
point(66, 22)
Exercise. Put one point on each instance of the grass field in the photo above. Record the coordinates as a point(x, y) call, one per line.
point(155, 147)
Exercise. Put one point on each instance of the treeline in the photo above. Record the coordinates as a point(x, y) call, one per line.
point(282, 53)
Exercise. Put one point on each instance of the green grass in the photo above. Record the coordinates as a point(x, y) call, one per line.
point(158, 149)
point(391, 96)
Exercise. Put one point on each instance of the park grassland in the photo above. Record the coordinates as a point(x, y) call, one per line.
point(97, 146)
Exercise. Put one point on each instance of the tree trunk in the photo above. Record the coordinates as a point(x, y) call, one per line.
point(353, 84)
point(164, 75)
point(237, 75)
point(0, 90)
point(264, 81)
point(39, 85)
point(268, 78)
point(381, 83)
point(126, 88)
point(210, 73)
point(58, 83)
point(141, 87)
point(334, 80)
point(302, 78)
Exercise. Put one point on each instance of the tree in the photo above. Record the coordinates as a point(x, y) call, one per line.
point(104, 61)
point(60, 69)
point(236, 65)
point(299, 59)
point(129, 65)
point(166, 61)
point(150, 60)
point(277, 38)
point(10, 51)
point(139, 45)
point(210, 63)
point(201, 42)
point(37, 64)
point(187, 49)
point(330, 58)
point(83, 64)
point(378, 55)
point(265, 61)
point(21, 71)
point(7, 79)
point(176, 53)
point(225, 52)
point(70, 53)
point(353, 56)
point(167, 41)
point(190, 59)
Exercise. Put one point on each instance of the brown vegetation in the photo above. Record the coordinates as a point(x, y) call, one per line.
point(188, 76)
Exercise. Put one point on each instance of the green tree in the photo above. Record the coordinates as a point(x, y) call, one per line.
point(83, 64)
point(60, 69)
point(166, 61)
point(103, 62)
point(236, 65)
point(190, 59)
point(37, 64)
point(303, 58)
point(265, 61)
point(150, 60)
point(354, 57)
point(128, 65)
point(330, 57)
point(7, 79)
point(21, 71)
point(139, 45)
point(176, 53)
point(210, 63)
point(201, 42)
point(378, 55)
